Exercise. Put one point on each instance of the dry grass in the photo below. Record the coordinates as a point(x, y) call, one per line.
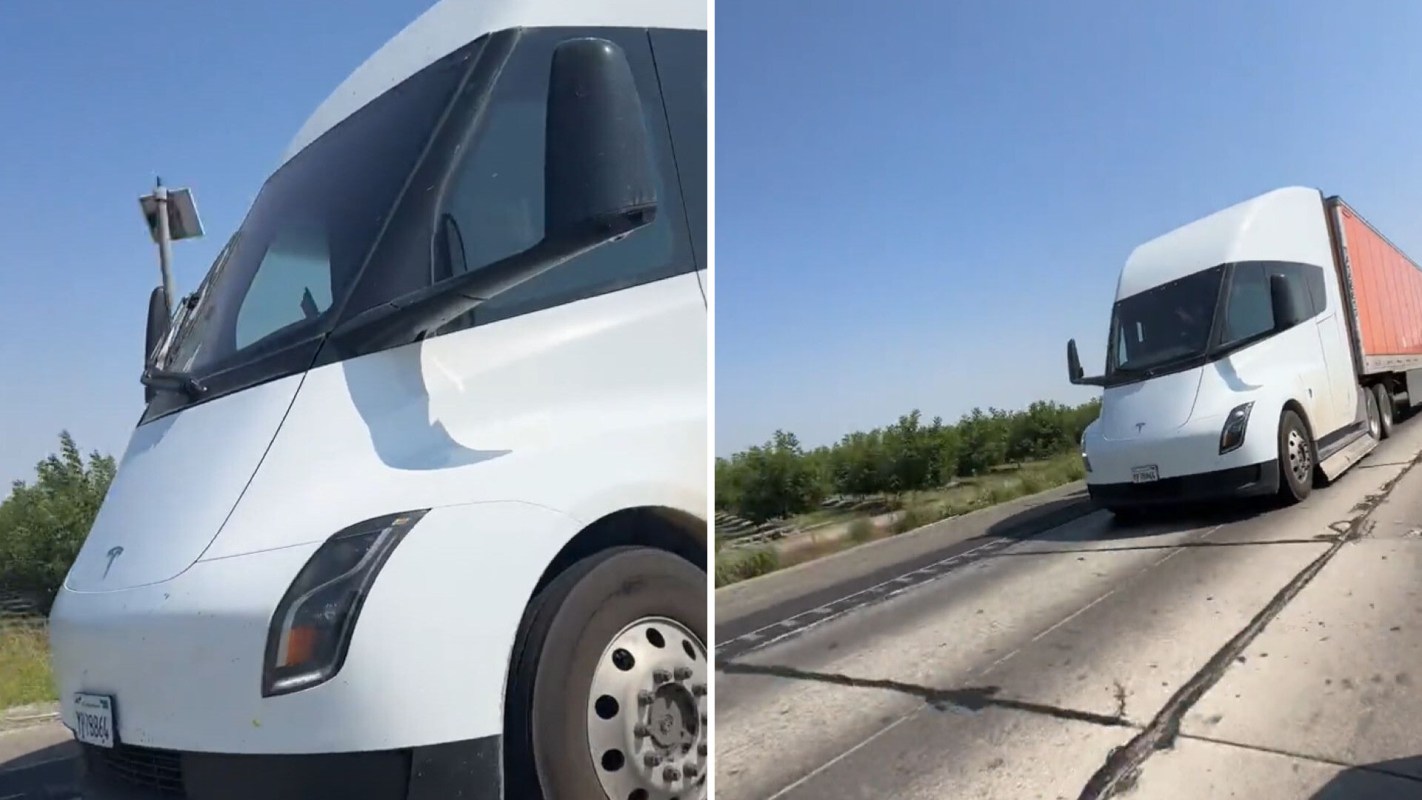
point(24, 666)
point(920, 508)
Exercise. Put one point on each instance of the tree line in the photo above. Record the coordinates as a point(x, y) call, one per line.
point(43, 524)
point(780, 477)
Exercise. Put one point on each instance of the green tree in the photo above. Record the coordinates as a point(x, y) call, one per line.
point(909, 455)
point(1044, 429)
point(984, 438)
point(779, 478)
point(859, 464)
point(946, 444)
point(43, 525)
point(774, 480)
point(727, 486)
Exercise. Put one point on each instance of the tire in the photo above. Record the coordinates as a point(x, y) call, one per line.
point(568, 634)
point(1297, 459)
point(1374, 415)
point(1386, 408)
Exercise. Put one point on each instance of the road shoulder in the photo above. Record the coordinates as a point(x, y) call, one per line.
point(748, 604)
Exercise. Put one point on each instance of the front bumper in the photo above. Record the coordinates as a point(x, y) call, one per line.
point(468, 769)
point(1252, 480)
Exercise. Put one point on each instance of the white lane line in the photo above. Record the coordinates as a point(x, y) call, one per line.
point(882, 591)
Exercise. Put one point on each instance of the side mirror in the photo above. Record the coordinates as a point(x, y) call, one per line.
point(1074, 372)
point(598, 173)
point(1284, 301)
point(157, 330)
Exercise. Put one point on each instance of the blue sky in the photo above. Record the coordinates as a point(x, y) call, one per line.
point(99, 97)
point(919, 203)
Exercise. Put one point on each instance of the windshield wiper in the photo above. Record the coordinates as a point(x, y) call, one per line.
point(1177, 364)
point(192, 302)
point(165, 381)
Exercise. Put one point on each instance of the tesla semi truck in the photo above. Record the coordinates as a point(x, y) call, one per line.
point(1251, 352)
point(417, 508)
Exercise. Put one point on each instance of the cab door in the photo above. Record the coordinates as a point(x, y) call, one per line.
point(1334, 338)
point(1307, 347)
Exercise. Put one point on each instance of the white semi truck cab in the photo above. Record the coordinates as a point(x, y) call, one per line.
point(417, 505)
point(1250, 352)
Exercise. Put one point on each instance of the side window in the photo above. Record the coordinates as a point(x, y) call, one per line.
point(496, 199)
point(681, 68)
point(1313, 276)
point(1294, 276)
point(1249, 311)
point(292, 283)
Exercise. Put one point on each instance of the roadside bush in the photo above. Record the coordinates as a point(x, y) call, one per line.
point(43, 525)
point(913, 518)
point(861, 530)
point(740, 564)
point(1034, 482)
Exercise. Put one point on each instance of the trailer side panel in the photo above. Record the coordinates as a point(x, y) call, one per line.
point(1387, 289)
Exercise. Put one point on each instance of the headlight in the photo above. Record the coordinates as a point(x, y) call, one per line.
point(311, 629)
point(1232, 434)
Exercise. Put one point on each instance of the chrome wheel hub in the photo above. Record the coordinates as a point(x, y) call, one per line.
point(1300, 459)
point(647, 713)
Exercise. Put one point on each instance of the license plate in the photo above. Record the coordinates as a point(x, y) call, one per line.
point(1145, 474)
point(94, 719)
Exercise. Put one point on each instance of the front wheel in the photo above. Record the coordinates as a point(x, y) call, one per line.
point(608, 689)
point(1296, 461)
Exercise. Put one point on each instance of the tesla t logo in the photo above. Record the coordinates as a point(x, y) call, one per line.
point(1139, 426)
point(114, 552)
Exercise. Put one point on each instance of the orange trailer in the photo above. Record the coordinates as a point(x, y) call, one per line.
point(1384, 288)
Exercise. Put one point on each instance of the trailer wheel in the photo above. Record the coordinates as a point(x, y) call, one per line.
point(608, 682)
point(1385, 409)
point(1296, 458)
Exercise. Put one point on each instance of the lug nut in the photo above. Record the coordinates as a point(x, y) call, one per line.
point(698, 689)
point(660, 676)
point(639, 730)
point(689, 770)
point(701, 749)
point(671, 774)
point(682, 673)
point(652, 759)
point(645, 698)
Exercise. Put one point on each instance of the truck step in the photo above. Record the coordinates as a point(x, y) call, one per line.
point(1352, 453)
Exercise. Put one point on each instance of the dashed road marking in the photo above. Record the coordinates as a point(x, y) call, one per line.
point(798, 624)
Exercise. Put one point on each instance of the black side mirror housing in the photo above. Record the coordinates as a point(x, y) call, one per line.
point(1284, 302)
point(599, 186)
point(598, 171)
point(1074, 372)
point(156, 331)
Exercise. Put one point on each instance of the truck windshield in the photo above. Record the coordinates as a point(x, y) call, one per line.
point(311, 227)
point(1164, 325)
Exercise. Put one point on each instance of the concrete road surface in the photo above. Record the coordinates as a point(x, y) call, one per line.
point(37, 763)
point(1255, 652)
